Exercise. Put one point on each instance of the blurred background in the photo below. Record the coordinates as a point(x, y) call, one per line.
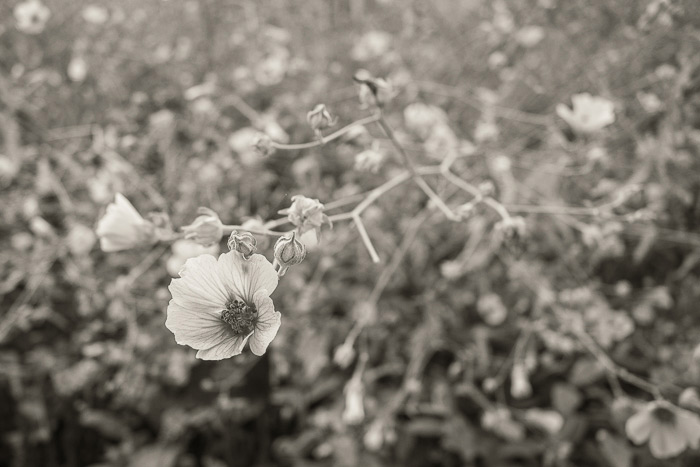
point(464, 346)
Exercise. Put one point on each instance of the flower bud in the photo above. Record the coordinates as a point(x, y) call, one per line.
point(373, 91)
point(306, 214)
point(369, 160)
point(206, 229)
point(244, 243)
point(288, 252)
point(320, 118)
point(262, 144)
point(123, 228)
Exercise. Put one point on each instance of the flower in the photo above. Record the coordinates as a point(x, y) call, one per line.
point(373, 91)
point(122, 227)
point(422, 118)
point(320, 118)
point(288, 252)
point(244, 243)
point(31, 16)
point(184, 250)
point(589, 114)
point(220, 304)
point(206, 229)
point(369, 160)
point(669, 429)
point(306, 214)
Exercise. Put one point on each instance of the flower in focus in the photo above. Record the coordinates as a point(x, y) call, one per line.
point(206, 229)
point(184, 250)
point(306, 214)
point(369, 160)
point(373, 91)
point(122, 227)
point(288, 252)
point(220, 304)
point(244, 243)
point(320, 118)
point(589, 114)
point(31, 16)
point(669, 429)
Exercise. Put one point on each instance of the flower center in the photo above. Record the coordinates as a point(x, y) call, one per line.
point(240, 316)
point(664, 415)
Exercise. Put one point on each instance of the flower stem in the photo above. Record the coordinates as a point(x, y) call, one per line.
point(325, 139)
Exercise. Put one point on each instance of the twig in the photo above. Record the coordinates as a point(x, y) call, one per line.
point(326, 139)
point(270, 233)
point(365, 238)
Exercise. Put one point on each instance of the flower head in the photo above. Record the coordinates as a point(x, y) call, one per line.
point(320, 118)
point(288, 252)
point(31, 16)
point(244, 243)
point(122, 227)
point(306, 214)
point(206, 229)
point(220, 304)
point(589, 114)
point(369, 160)
point(669, 429)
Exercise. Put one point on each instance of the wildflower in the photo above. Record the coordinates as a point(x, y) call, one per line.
point(589, 114)
point(422, 118)
point(80, 240)
point(373, 91)
point(373, 44)
point(184, 250)
point(95, 14)
point(219, 304)
point(31, 16)
point(206, 229)
point(689, 399)
point(288, 252)
point(122, 227)
point(77, 69)
point(344, 354)
point(320, 118)
point(306, 214)
point(369, 161)
point(262, 144)
point(492, 310)
point(669, 429)
point(244, 243)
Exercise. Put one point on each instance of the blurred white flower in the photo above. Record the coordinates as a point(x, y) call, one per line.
point(77, 69)
point(272, 69)
point(589, 114)
point(184, 250)
point(492, 310)
point(371, 45)
point(31, 16)
point(306, 214)
point(520, 387)
point(344, 354)
point(354, 411)
point(220, 304)
point(95, 14)
point(369, 161)
point(669, 429)
point(80, 239)
point(122, 227)
point(530, 36)
point(422, 118)
point(550, 421)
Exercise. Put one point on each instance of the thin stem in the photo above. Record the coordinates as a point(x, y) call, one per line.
point(407, 162)
point(365, 238)
point(326, 139)
point(230, 228)
point(474, 191)
point(436, 199)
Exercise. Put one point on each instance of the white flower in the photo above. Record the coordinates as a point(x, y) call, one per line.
point(31, 16)
point(589, 114)
point(669, 429)
point(369, 160)
point(371, 45)
point(218, 305)
point(122, 227)
point(95, 14)
point(184, 250)
point(307, 214)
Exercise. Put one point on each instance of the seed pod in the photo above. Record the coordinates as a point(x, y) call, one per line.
point(288, 252)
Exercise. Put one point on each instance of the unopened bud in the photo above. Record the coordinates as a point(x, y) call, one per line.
point(244, 243)
point(263, 145)
point(320, 118)
point(207, 229)
point(288, 252)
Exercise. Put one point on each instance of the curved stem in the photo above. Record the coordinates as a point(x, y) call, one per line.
point(326, 139)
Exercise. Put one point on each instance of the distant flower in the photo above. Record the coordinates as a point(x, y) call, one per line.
point(80, 239)
point(354, 411)
point(373, 91)
point(95, 14)
point(369, 160)
point(371, 45)
point(122, 227)
point(589, 114)
point(184, 250)
point(31, 16)
point(669, 429)
point(207, 229)
point(220, 304)
point(77, 69)
point(492, 310)
point(422, 118)
point(306, 214)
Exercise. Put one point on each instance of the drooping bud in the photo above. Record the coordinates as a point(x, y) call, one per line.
point(288, 252)
point(320, 118)
point(123, 228)
point(373, 92)
point(206, 229)
point(244, 243)
point(307, 214)
point(263, 145)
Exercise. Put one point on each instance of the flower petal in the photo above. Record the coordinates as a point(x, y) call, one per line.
point(638, 426)
point(666, 441)
point(689, 424)
point(245, 277)
point(226, 349)
point(267, 325)
point(200, 287)
point(200, 329)
point(125, 207)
